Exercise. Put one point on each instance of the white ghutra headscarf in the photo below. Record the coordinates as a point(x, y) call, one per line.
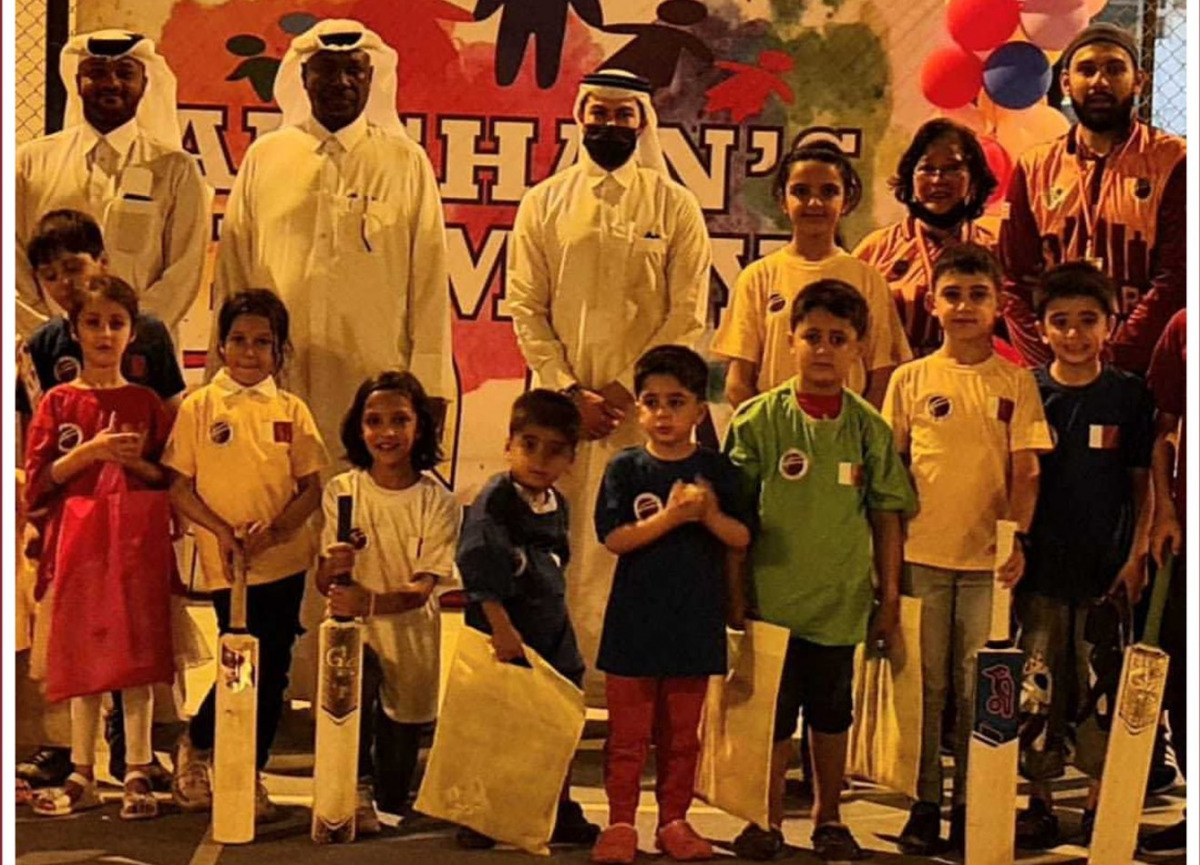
point(619, 84)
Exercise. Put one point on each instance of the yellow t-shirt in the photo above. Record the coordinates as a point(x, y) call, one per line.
point(959, 423)
point(756, 325)
point(245, 448)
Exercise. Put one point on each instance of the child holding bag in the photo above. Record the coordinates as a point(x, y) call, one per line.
point(94, 437)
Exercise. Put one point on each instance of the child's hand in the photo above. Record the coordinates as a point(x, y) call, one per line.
point(1133, 578)
point(883, 624)
point(686, 501)
point(339, 559)
point(232, 555)
point(114, 445)
point(708, 496)
point(1010, 573)
point(260, 537)
point(1167, 534)
point(349, 600)
point(508, 645)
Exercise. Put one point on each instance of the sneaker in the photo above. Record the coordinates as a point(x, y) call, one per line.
point(923, 831)
point(833, 842)
point(469, 839)
point(1087, 825)
point(1171, 841)
point(617, 845)
point(681, 842)
point(1037, 827)
point(958, 828)
point(265, 811)
point(49, 767)
point(758, 844)
point(366, 821)
point(571, 827)
point(191, 786)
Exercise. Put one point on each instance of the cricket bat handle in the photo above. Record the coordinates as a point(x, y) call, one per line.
point(237, 600)
point(1158, 600)
point(1001, 597)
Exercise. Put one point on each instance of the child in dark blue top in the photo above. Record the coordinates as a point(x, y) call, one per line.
point(1089, 536)
point(664, 509)
point(512, 552)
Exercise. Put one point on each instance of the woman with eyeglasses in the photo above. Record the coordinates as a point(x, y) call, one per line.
point(944, 180)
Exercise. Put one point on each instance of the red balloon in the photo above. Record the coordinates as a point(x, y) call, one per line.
point(951, 77)
point(1001, 165)
point(981, 25)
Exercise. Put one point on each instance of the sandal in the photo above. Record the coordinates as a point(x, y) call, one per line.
point(24, 792)
point(78, 794)
point(138, 802)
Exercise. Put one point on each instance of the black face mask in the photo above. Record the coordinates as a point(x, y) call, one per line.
point(609, 146)
point(941, 221)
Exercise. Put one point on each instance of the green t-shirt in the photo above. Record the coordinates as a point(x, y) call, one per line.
point(812, 482)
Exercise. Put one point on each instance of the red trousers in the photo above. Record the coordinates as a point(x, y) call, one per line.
point(667, 712)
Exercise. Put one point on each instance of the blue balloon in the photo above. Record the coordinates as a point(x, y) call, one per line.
point(1016, 75)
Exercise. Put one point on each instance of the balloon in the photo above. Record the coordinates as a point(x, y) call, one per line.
point(1016, 75)
point(1001, 165)
point(1052, 7)
point(950, 77)
point(981, 25)
point(1094, 7)
point(968, 115)
point(1051, 30)
point(1017, 131)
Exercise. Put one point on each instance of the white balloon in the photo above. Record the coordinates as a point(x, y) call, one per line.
point(1018, 131)
point(1053, 31)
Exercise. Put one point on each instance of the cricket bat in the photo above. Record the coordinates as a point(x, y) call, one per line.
point(339, 699)
point(994, 748)
point(234, 769)
point(1131, 739)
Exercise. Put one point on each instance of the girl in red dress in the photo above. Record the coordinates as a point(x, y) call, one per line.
point(80, 427)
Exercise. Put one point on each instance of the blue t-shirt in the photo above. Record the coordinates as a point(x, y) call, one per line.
point(665, 614)
point(1084, 522)
point(149, 359)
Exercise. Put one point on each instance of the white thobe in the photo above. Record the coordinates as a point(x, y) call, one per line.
point(347, 229)
point(149, 199)
point(602, 267)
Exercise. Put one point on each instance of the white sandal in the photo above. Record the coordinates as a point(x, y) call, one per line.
point(59, 801)
point(138, 804)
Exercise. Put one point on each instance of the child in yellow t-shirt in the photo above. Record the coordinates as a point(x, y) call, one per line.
point(970, 425)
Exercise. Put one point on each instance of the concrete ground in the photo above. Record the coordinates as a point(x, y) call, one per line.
point(875, 815)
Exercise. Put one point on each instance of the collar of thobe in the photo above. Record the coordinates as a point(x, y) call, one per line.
point(624, 176)
point(544, 502)
point(346, 137)
point(266, 389)
point(120, 139)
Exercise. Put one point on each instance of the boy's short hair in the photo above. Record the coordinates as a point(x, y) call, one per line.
point(687, 367)
point(969, 259)
point(840, 299)
point(1076, 279)
point(546, 408)
point(107, 287)
point(62, 232)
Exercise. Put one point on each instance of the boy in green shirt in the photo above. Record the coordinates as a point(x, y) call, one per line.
point(828, 489)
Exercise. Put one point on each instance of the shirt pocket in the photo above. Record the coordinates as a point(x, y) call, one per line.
point(132, 224)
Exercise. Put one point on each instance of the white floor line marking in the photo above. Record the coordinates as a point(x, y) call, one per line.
point(208, 852)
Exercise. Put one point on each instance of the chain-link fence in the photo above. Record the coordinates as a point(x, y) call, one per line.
point(30, 27)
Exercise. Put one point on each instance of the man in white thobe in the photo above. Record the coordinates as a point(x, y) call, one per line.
point(118, 158)
point(338, 212)
point(608, 259)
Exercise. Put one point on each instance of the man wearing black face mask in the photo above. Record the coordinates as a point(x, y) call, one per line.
point(607, 259)
point(1112, 190)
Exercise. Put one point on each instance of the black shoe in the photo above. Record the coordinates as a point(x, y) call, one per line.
point(958, 828)
point(49, 767)
point(1086, 826)
point(571, 827)
point(834, 843)
point(1162, 778)
point(1171, 841)
point(923, 831)
point(469, 839)
point(1037, 827)
point(758, 844)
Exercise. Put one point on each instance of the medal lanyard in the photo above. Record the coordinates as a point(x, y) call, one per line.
point(1091, 210)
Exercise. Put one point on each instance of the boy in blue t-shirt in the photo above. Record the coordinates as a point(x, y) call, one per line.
point(1088, 540)
point(668, 510)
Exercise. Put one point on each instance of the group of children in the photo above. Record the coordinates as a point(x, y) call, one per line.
point(825, 507)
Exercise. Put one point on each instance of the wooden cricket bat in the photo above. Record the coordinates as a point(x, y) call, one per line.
point(234, 770)
point(339, 714)
point(994, 748)
point(1131, 739)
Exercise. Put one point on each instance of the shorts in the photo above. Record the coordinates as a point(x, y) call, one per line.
point(819, 680)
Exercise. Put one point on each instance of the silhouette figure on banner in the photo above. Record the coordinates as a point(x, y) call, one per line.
point(655, 51)
point(546, 21)
point(258, 70)
point(745, 94)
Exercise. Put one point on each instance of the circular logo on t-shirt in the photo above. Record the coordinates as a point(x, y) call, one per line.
point(646, 505)
point(520, 561)
point(220, 432)
point(66, 369)
point(939, 407)
point(1142, 188)
point(358, 539)
point(776, 303)
point(793, 465)
point(900, 268)
point(69, 437)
